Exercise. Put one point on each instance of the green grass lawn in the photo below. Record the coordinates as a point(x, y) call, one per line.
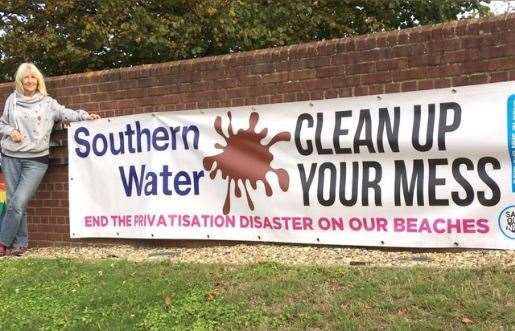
point(120, 295)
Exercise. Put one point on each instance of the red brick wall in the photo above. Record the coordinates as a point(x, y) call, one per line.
point(452, 54)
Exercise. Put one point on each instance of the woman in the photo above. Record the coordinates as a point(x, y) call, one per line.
point(25, 127)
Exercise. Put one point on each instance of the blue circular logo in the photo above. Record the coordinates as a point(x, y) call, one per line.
point(506, 222)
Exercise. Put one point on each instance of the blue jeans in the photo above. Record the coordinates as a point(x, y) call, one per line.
point(22, 178)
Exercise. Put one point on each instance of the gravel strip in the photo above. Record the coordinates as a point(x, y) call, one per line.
point(291, 255)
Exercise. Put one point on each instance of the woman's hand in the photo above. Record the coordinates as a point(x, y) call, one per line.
point(16, 136)
point(94, 116)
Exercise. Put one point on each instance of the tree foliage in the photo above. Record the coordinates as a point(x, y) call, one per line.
point(68, 36)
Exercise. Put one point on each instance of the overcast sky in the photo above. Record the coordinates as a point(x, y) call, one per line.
point(502, 6)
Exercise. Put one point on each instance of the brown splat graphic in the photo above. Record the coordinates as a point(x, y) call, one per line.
point(244, 159)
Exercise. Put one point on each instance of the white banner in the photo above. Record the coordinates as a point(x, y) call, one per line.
point(419, 169)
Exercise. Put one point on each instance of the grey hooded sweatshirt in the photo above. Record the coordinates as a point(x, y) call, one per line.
point(34, 117)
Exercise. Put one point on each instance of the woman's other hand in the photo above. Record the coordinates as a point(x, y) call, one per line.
point(16, 136)
point(94, 116)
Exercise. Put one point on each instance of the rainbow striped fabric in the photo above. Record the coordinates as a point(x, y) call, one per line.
point(2, 193)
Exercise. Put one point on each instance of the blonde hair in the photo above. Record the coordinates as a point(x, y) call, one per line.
point(22, 69)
